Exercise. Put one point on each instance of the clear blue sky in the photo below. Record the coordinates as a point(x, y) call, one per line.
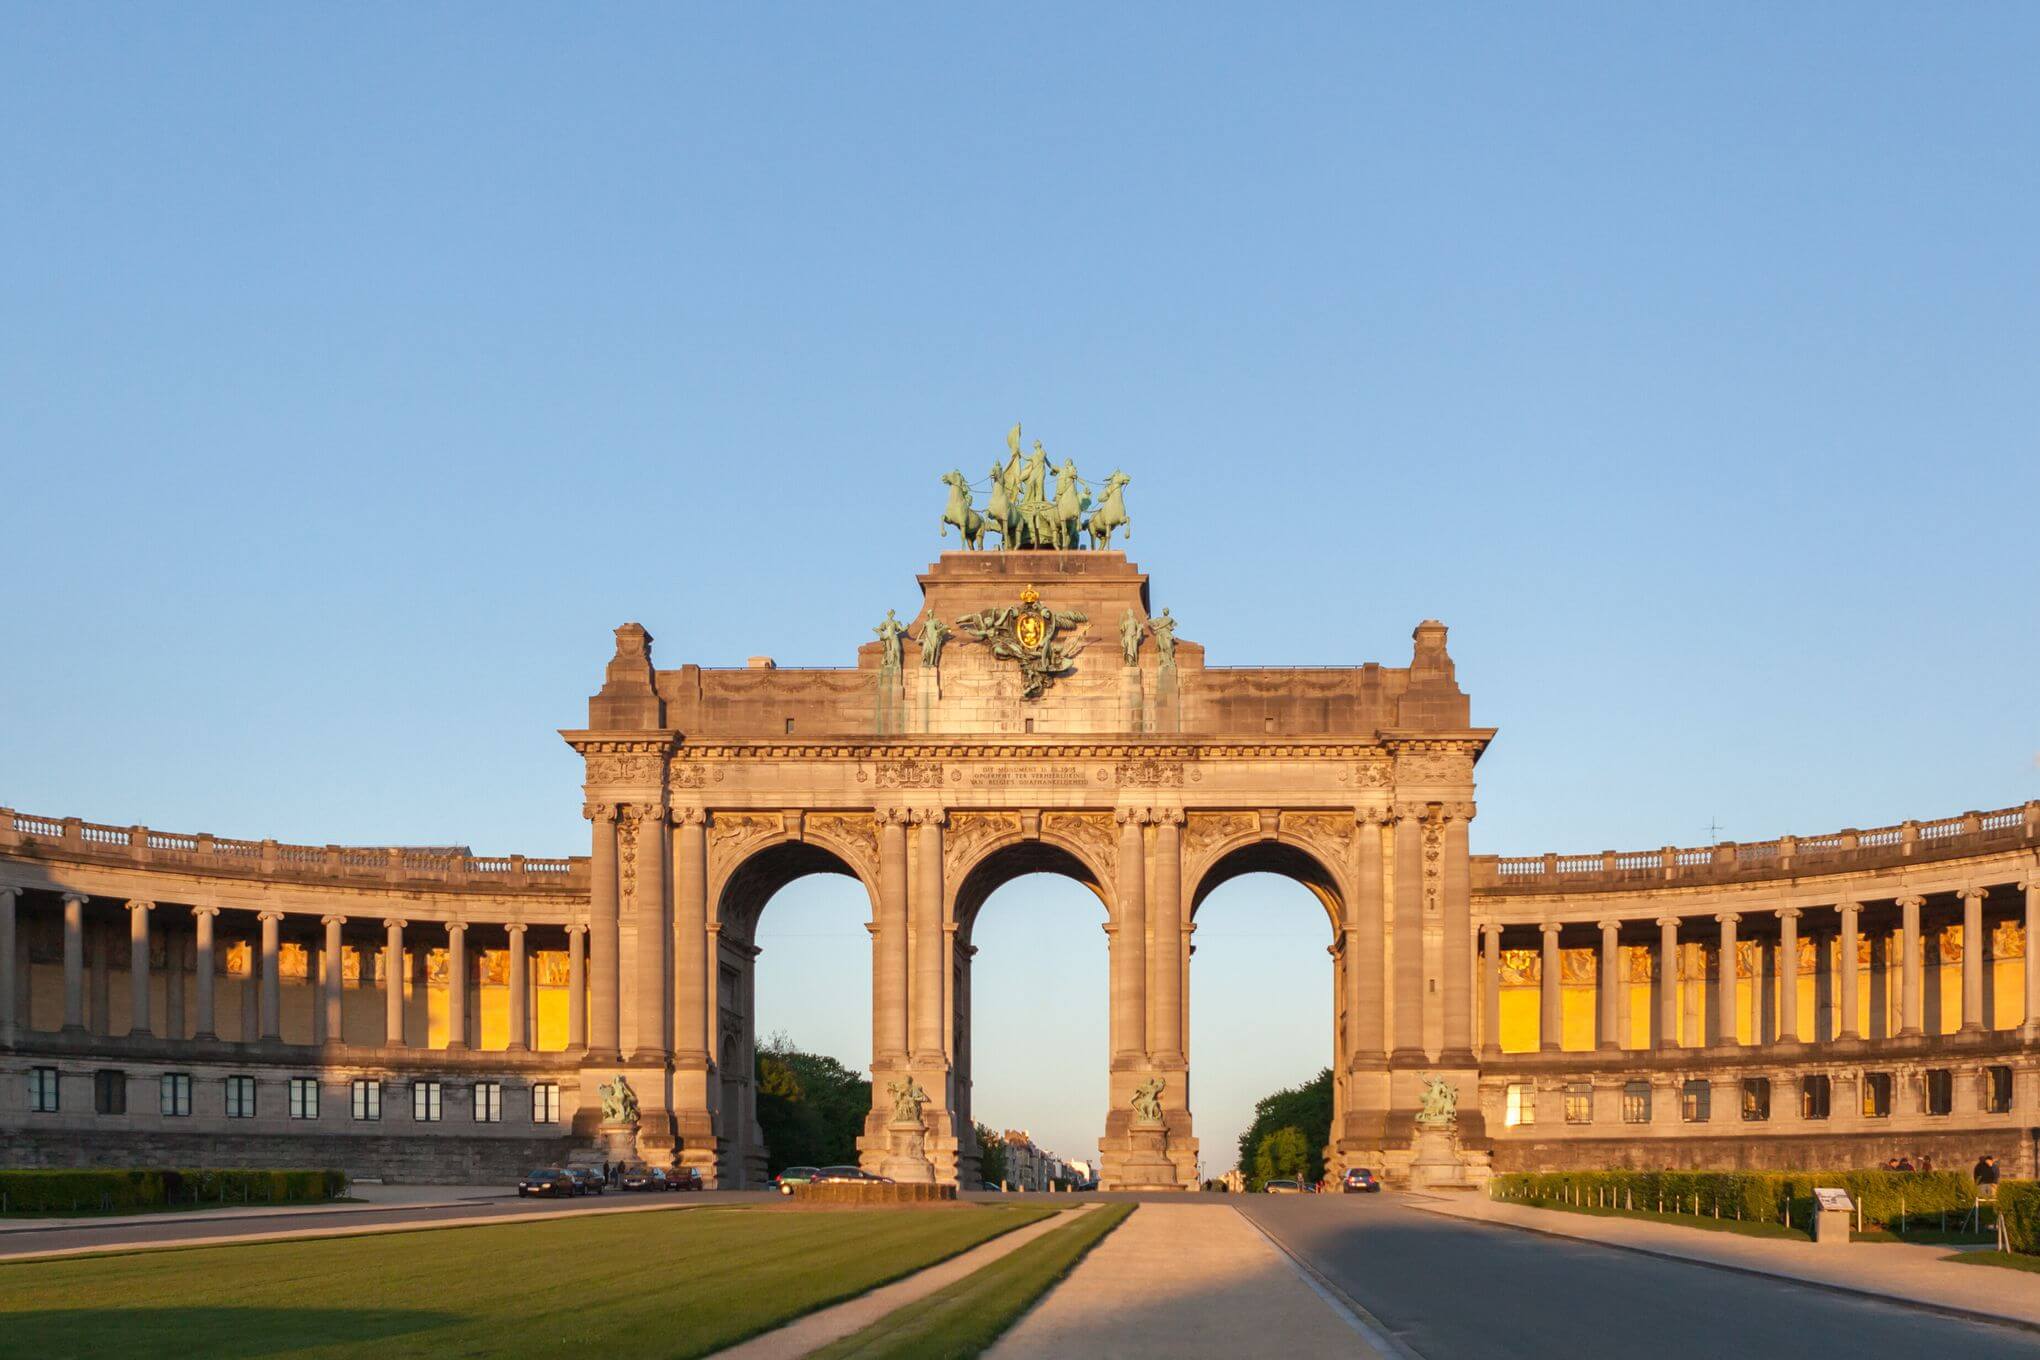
point(360, 369)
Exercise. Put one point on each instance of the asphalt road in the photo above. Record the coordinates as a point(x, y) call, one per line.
point(1452, 1290)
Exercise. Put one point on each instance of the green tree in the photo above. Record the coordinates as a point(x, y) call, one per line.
point(991, 1155)
point(1282, 1153)
point(810, 1107)
point(1307, 1109)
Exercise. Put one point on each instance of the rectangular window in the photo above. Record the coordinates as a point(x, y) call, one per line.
point(1940, 1092)
point(488, 1102)
point(1694, 1099)
point(1877, 1095)
point(42, 1090)
point(1997, 1090)
point(240, 1097)
point(1814, 1093)
point(1522, 1105)
point(368, 1100)
point(1756, 1098)
point(1579, 1102)
point(545, 1103)
point(304, 1097)
point(176, 1090)
point(1636, 1102)
point(109, 1092)
point(425, 1101)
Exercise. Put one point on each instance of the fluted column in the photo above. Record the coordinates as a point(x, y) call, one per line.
point(74, 962)
point(1409, 937)
point(336, 996)
point(1668, 982)
point(138, 967)
point(1456, 991)
point(604, 935)
point(2032, 890)
point(1849, 971)
point(1610, 981)
point(1168, 954)
point(1551, 1013)
point(1491, 990)
point(1129, 942)
point(577, 986)
point(393, 981)
point(654, 930)
point(889, 1007)
point(1973, 1018)
point(8, 1001)
point(690, 937)
point(272, 977)
point(1364, 978)
point(1913, 1004)
point(456, 985)
point(1725, 980)
point(929, 940)
point(202, 972)
point(1788, 975)
point(520, 989)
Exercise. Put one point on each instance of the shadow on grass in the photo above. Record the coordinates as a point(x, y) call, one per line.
point(212, 1333)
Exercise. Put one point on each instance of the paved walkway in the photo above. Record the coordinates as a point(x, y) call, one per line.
point(1891, 1271)
point(808, 1334)
point(1186, 1281)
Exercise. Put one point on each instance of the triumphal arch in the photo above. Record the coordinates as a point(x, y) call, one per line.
point(1032, 712)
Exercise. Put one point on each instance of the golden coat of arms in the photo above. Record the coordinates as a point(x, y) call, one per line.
point(1043, 641)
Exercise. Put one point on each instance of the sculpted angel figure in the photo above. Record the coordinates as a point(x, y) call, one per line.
point(1440, 1102)
point(1147, 1100)
point(1130, 633)
point(619, 1102)
point(907, 1099)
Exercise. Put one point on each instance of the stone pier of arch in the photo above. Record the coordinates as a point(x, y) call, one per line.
point(934, 779)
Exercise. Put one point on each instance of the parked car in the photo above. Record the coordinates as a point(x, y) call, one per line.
point(683, 1178)
point(1283, 1187)
point(638, 1178)
point(847, 1174)
point(1360, 1180)
point(587, 1180)
point(987, 1185)
point(792, 1176)
point(547, 1181)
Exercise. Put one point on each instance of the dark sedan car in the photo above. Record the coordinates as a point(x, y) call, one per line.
point(842, 1175)
point(1359, 1180)
point(588, 1180)
point(683, 1178)
point(639, 1178)
point(548, 1181)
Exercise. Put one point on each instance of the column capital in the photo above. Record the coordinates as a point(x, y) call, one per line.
point(80, 898)
point(333, 919)
point(395, 922)
point(9, 893)
point(648, 812)
point(1492, 929)
point(1551, 927)
point(577, 927)
point(204, 911)
point(1966, 893)
point(1671, 921)
point(270, 915)
point(1609, 925)
point(1728, 918)
point(1788, 913)
point(1127, 816)
point(890, 816)
point(515, 928)
point(1911, 900)
point(1457, 812)
point(599, 812)
point(1171, 816)
point(690, 816)
point(141, 906)
point(453, 926)
point(1408, 812)
point(1848, 908)
point(929, 816)
point(1373, 816)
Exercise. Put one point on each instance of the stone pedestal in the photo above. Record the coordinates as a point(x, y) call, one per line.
point(1436, 1164)
point(906, 1159)
point(1147, 1165)
point(616, 1143)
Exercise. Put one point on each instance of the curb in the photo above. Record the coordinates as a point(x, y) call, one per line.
point(1853, 1291)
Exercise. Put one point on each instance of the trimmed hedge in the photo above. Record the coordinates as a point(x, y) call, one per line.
point(2018, 1204)
point(69, 1191)
point(1891, 1199)
point(873, 1192)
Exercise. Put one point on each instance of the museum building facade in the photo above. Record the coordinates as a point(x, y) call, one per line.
point(426, 1013)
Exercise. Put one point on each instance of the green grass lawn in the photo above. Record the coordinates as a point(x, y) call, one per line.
point(671, 1284)
point(968, 1316)
point(2008, 1260)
